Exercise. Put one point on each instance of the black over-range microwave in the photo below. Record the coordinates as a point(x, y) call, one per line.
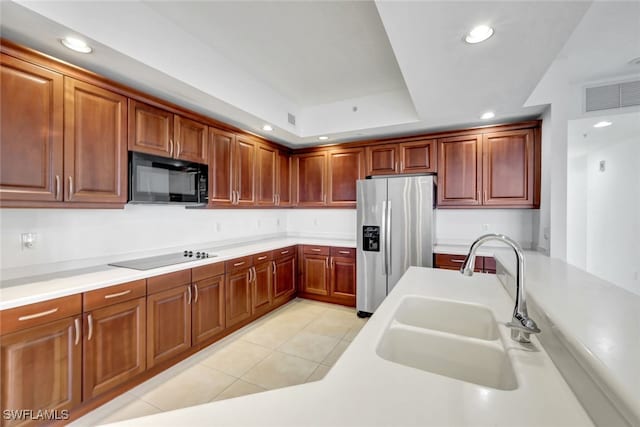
point(154, 179)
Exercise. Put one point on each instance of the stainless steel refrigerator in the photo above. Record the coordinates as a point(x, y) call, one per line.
point(395, 231)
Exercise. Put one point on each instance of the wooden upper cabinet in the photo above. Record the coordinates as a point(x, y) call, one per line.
point(41, 368)
point(382, 159)
point(312, 172)
point(345, 167)
point(95, 144)
point(221, 167)
point(284, 193)
point(246, 150)
point(266, 181)
point(150, 129)
point(508, 168)
point(31, 125)
point(190, 140)
point(459, 171)
point(418, 156)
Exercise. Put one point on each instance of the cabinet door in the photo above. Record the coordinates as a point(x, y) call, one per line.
point(42, 367)
point(382, 159)
point(262, 288)
point(208, 309)
point(245, 170)
point(284, 278)
point(190, 140)
point(459, 171)
point(114, 346)
point(30, 131)
point(312, 170)
point(343, 280)
point(508, 168)
point(95, 144)
point(266, 179)
point(168, 324)
point(150, 129)
point(315, 279)
point(238, 297)
point(221, 167)
point(418, 156)
point(345, 168)
point(284, 179)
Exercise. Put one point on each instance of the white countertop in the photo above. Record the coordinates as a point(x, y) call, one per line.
point(29, 290)
point(365, 389)
point(598, 321)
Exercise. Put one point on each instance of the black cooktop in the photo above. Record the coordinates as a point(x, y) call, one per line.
point(163, 260)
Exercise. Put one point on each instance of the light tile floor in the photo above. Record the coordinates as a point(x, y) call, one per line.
point(296, 343)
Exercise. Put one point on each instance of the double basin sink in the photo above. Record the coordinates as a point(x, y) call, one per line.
point(453, 339)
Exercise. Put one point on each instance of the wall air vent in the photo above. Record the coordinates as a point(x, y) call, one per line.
point(612, 96)
point(291, 118)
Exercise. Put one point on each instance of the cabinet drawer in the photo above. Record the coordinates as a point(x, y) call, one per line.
point(16, 319)
point(448, 260)
point(113, 294)
point(317, 250)
point(239, 263)
point(284, 252)
point(206, 271)
point(262, 257)
point(343, 252)
point(168, 281)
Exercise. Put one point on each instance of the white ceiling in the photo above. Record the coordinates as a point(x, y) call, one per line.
point(311, 52)
point(583, 138)
point(252, 62)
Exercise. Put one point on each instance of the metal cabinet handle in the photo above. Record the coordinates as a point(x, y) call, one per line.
point(70, 186)
point(238, 264)
point(327, 262)
point(250, 278)
point(459, 261)
point(273, 263)
point(171, 148)
point(324, 199)
point(76, 324)
point(401, 165)
point(118, 294)
point(344, 252)
point(177, 148)
point(195, 290)
point(284, 252)
point(255, 275)
point(90, 321)
point(57, 187)
point(485, 195)
point(479, 199)
point(262, 257)
point(332, 263)
point(316, 249)
point(36, 315)
point(189, 295)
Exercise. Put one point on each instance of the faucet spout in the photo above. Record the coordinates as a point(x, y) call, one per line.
point(522, 326)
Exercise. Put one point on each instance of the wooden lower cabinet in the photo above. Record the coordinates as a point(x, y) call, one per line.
point(238, 296)
point(168, 324)
point(343, 280)
point(284, 275)
point(315, 274)
point(329, 274)
point(114, 346)
point(208, 317)
point(262, 288)
point(41, 368)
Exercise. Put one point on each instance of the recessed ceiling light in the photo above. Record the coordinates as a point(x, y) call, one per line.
point(76, 44)
point(323, 138)
point(488, 115)
point(479, 34)
point(602, 124)
point(267, 128)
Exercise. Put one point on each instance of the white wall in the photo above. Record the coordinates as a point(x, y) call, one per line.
point(64, 234)
point(577, 190)
point(339, 223)
point(613, 214)
point(463, 226)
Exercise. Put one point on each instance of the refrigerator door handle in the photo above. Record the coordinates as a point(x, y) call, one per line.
point(387, 228)
point(385, 243)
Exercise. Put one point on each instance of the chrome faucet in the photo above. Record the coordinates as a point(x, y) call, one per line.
point(521, 325)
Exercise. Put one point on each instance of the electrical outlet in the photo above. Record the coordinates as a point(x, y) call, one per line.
point(28, 240)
